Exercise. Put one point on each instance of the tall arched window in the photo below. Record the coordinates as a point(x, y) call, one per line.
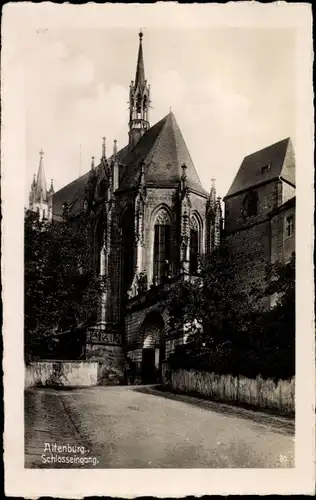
point(162, 244)
point(195, 236)
point(128, 250)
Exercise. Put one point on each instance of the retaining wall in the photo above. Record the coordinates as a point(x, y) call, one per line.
point(62, 373)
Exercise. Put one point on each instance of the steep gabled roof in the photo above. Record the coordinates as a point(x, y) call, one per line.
point(74, 192)
point(265, 165)
point(163, 151)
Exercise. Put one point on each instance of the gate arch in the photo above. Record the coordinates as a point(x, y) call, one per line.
point(153, 347)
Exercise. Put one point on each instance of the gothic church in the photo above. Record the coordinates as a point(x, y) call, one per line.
point(153, 221)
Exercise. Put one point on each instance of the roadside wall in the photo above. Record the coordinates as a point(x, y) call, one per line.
point(256, 392)
point(62, 374)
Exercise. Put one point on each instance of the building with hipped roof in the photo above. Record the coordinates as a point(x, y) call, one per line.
point(151, 221)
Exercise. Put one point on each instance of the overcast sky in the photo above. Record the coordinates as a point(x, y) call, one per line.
point(231, 90)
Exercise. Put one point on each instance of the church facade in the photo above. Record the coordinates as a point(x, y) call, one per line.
point(152, 221)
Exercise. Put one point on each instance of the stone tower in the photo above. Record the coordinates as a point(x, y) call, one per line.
point(40, 200)
point(262, 187)
point(139, 100)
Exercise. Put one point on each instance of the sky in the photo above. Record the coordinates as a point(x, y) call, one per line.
point(232, 91)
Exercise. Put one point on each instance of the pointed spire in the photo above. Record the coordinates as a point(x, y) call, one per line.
point(40, 187)
point(103, 147)
point(139, 100)
point(140, 69)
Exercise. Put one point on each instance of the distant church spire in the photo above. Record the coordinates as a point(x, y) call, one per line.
point(40, 198)
point(139, 100)
point(40, 187)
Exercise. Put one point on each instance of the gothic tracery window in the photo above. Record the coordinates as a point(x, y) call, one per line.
point(194, 244)
point(161, 244)
point(128, 250)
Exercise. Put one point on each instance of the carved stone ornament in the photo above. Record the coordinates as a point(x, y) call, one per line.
point(194, 224)
point(139, 222)
point(163, 218)
point(184, 240)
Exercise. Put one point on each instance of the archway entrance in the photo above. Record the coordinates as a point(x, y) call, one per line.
point(153, 348)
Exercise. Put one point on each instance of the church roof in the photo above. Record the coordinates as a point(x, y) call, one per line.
point(163, 151)
point(272, 162)
point(74, 192)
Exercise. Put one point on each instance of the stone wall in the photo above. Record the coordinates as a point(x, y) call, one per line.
point(269, 198)
point(258, 240)
point(61, 374)
point(106, 348)
point(75, 373)
point(251, 254)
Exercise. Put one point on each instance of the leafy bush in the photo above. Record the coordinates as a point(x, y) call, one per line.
point(235, 339)
point(60, 283)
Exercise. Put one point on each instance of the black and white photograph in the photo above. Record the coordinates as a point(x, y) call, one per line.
point(160, 235)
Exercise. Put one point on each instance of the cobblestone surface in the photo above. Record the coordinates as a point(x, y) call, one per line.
point(128, 427)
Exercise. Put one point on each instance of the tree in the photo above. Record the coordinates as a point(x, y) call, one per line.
point(60, 283)
point(236, 338)
point(276, 327)
point(214, 309)
point(212, 300)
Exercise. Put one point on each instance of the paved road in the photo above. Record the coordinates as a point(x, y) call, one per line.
point(141, 427)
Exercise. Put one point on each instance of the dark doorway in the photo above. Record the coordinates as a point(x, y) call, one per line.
point(149, 372)
point(153, 348)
